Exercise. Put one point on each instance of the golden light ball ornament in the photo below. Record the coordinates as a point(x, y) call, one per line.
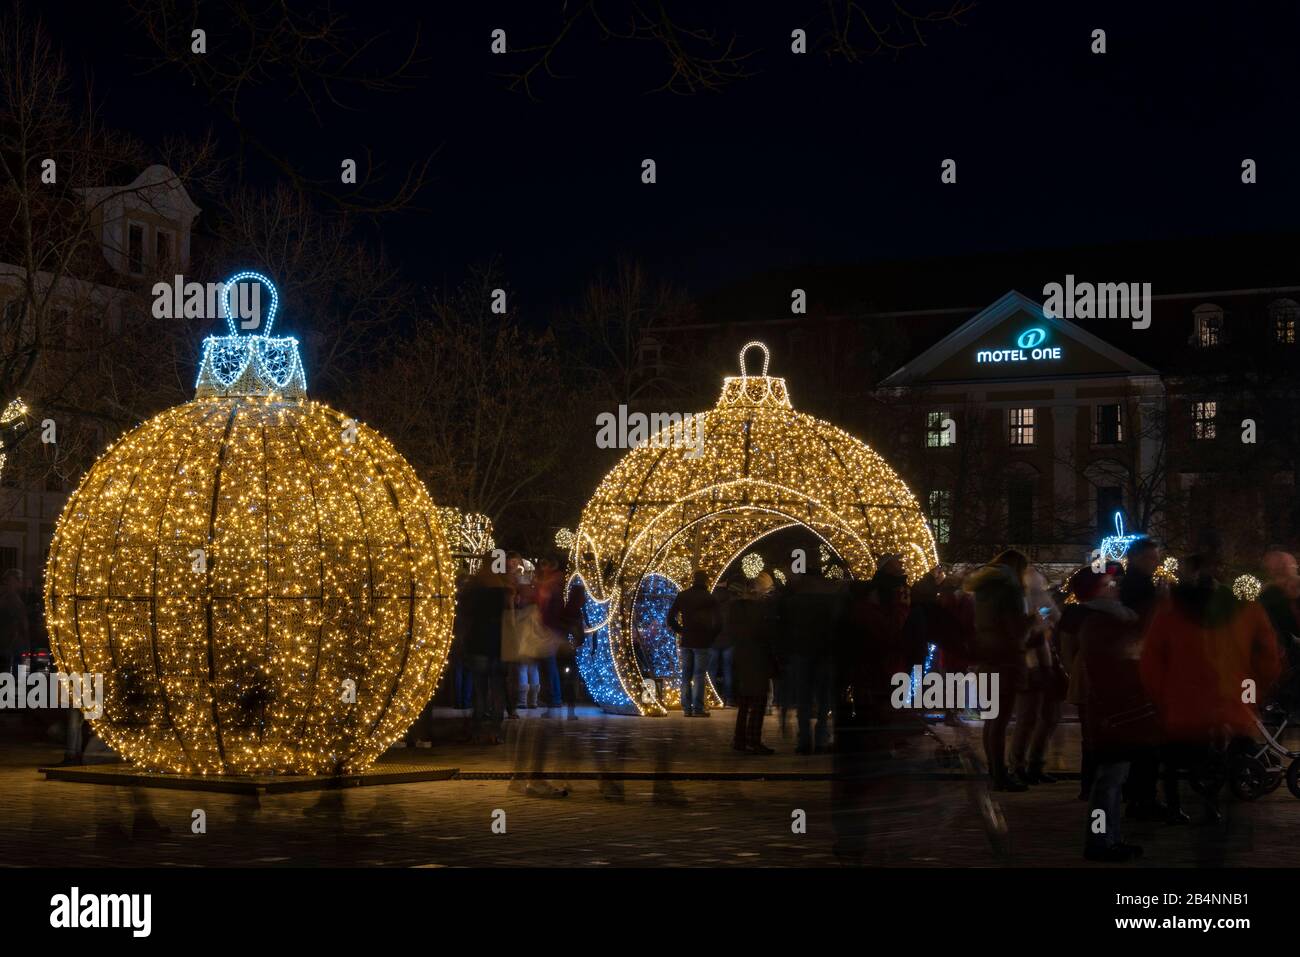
point(262, 581)
point(756, 466)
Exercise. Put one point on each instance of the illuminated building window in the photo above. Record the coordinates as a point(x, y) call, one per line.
point(1283, 313)
point(936, 436)
point(1110, 499)
point(1203, 415)
point(1108, 426)
point(939, 513)
point(1208, 321)
point(1020, 511)
point(1021, 426)
point(135, 247)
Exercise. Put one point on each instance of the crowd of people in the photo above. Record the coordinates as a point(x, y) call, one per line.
point(1166, 672)
point(517, 635)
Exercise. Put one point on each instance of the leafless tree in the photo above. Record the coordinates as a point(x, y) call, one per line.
point(477, 402)
point(63, 324)
point(856, 30)
point(700, 59)
point(311, 57)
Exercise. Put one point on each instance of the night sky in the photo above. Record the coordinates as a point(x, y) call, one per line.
point(807, 162)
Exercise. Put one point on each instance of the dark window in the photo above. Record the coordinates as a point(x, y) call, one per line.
point(1109, 425)
point(163, 247)
point(1020, 512)
point(8, 558)
point(939, 510)
point(135, 247)
point(936, 436)
point(1110, 499)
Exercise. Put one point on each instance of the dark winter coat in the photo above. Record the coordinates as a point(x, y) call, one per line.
point(751, 623)
point(810, 613)
point(483, 606)
point(1001, 622)
point(695, 618)
point(1121, 717)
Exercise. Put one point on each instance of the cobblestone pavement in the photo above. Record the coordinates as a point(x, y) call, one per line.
point(917, 820)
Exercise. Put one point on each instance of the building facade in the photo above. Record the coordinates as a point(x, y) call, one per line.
point(123, 238)
point(1020, 429)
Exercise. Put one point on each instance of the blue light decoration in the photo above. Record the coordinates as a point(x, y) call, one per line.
point(596, 658)
point(253, 364)
point(1115, 547)
point(656, 642)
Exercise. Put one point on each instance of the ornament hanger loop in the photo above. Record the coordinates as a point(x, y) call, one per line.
point(751, 345)
point(264, 329)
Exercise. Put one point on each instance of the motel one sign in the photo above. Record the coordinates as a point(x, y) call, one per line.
point(1030, 348)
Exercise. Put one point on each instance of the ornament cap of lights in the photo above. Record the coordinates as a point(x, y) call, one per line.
point(759, 391)
point(262, 581)
point(663, 512)
point(255, 363)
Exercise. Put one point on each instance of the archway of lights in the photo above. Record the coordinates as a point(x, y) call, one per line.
point(262, 581)
point(671, 507)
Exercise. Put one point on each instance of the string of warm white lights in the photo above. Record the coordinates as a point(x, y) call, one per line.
point(762, 467)
point(263, 582)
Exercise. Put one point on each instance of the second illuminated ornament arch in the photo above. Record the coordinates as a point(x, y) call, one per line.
point(669, 508)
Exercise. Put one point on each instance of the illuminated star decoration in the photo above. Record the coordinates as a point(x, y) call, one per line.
point(762, 467)
point(261, 580)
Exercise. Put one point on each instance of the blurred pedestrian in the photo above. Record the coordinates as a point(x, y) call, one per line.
point(549, 593)
point(1201, 649)
point(1141, 593)
point(810, 612)
point(1085, 585)
point(1280, 598)
point(752, 623)
point(526, 639)
point(696, 620)
point(723, 667)
point(486, 602)
point(1038, 708)
point(1001, 631)
point(1122, 719)
point(13, 620)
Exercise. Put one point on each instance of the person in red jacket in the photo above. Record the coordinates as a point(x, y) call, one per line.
point(1206, 659)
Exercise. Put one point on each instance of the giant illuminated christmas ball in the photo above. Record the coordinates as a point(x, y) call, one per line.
point(262, 581)
point(695, 494)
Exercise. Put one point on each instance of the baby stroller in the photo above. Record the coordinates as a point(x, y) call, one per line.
point(1254, 769)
